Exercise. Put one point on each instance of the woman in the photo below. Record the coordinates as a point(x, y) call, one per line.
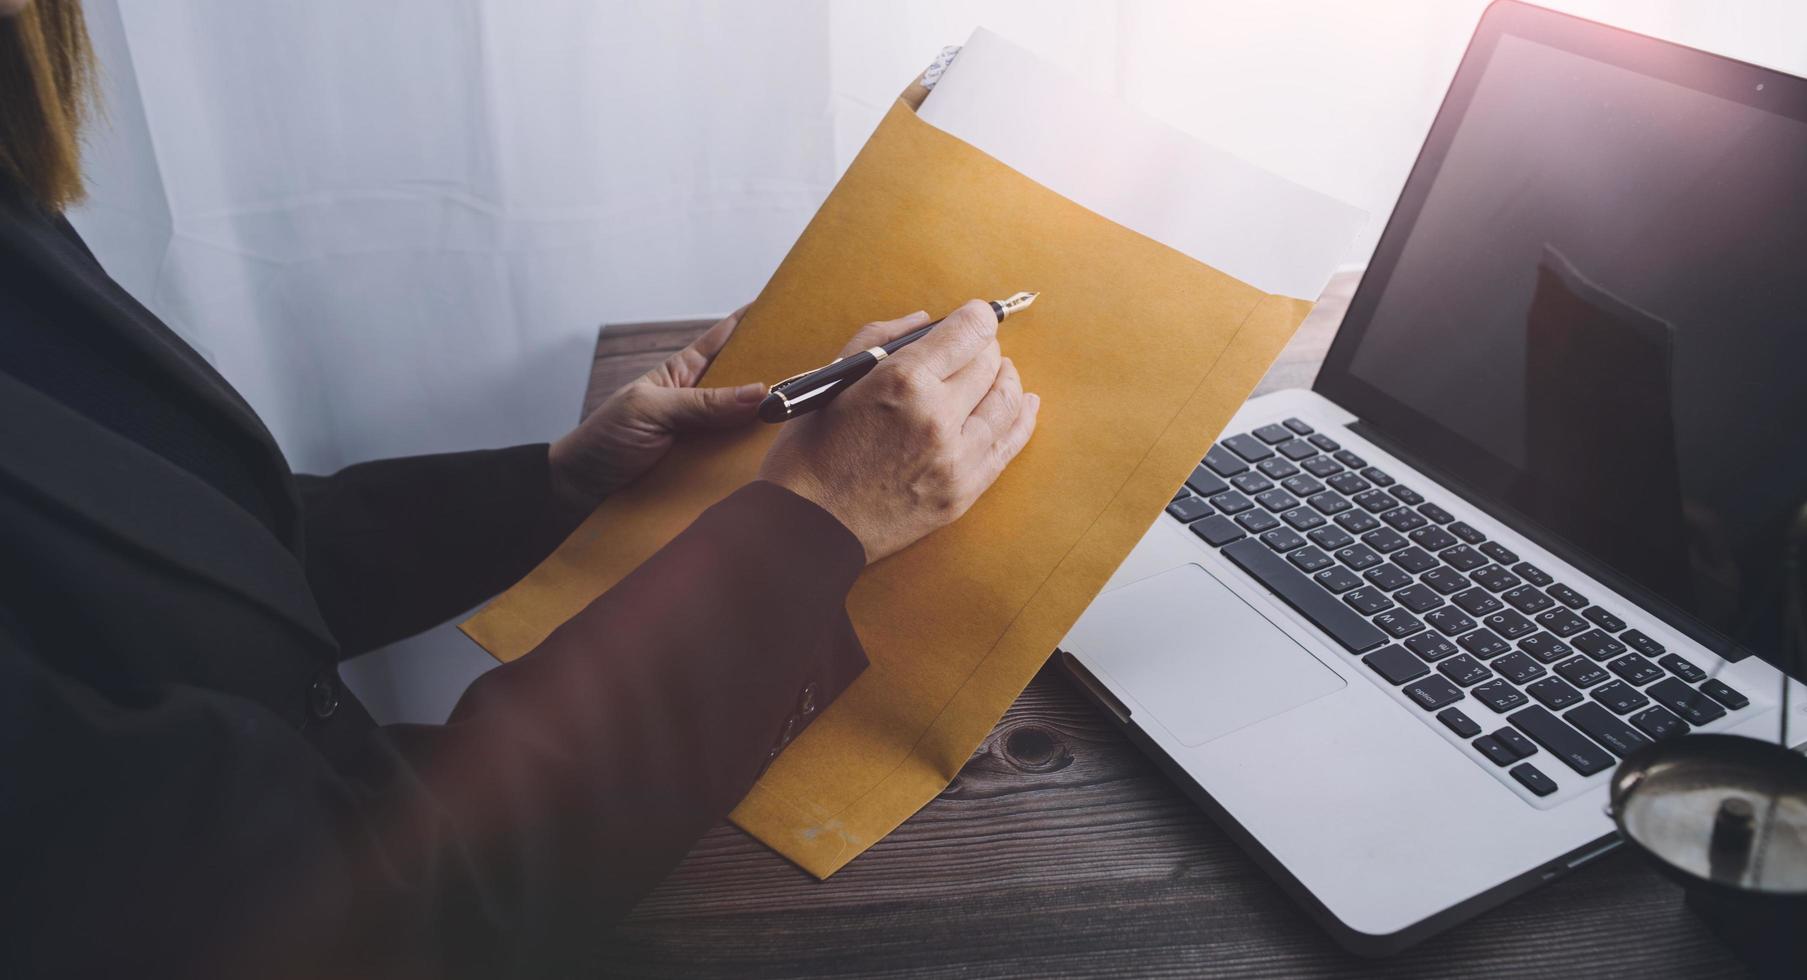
point(188, 790)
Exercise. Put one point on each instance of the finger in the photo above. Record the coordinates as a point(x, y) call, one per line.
point(688, 409)
point(883, 332)
point(991, 418)
point(685, 368)
point(1014, 439)
point(955, 341)
point(963, 390)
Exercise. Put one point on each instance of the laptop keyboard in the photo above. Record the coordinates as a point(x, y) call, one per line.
point(1556, 686)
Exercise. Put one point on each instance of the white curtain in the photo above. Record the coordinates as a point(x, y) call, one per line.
point(395, 225)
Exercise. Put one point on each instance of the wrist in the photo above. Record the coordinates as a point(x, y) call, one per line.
point(567, 490)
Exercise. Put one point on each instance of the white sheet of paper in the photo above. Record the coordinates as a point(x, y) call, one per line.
point(1097, 151)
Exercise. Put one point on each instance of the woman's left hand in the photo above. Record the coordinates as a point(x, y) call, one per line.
point(630, 431)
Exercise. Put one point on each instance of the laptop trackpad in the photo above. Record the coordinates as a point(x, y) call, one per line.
point(1196, 656)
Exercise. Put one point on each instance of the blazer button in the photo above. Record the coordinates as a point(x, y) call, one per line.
point(323, 697)
point(790, 729)
point(806, 706)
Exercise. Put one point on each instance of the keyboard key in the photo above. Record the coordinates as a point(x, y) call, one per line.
point(1464, 670)
point(1642, 643)
point(1498, 552)
point(1454, 720)
point(1302, 486)
point(1375, 501)
point(1433, 692)
point(1728, 696)
point(1328, 503)
point(1325, 443)
point(1182, 492)
point(1567, 596)
point(1251, 482)
point(1205, 483)
point(1296, 450)
point(1302, 594)
point(1603, 619)
point(1518, 668)
point(1408, 496)
point(1298, 425)
point(1356, 521)
point(1223, 462)
point(1403, 519)
point(1490, 747)
point(1387, 577)
point(1518, 744)
point(1621, 697)
point(1283, 539)
point(1277, 500)
point(1597, 645)
point(1303, 519)
point(1348, 483)
point(1561, 622)
point(1349, 459)
point(1447, 581)
point(1499, 695)
point(1367, 601)
point(1277, 468)
point(1309, 559)
point(1189, 509)
point(1533, 779)
point(1659, 723)
point(1248, 447)
point(1602, 727)
point(1553, 692)
point(1482, 643)
point(1462, 558)
point(1231, 502)
point(1432, 538)
point(1495, 578)
point(1337, 579)
point(1449, 620)
point(1561, 740)
point(1396, 664)
point(1330, 537)
point(1636, 670)
point(1414, 560)
point(1358, 556)
point(1321, 466)
point(1272, 434)
point(1217, 531)
point(1378, 476)
point(1694, 707)
point(1582, 672)
point(1418, 598)
point(1257, 521)
point(1430, 646)
point(1475, 601)
point(1683, 669)
point(1546, 648)
point(1468, 534)
point(1398, 623)
point(1527, 599)
point(1507, 623)
point(1436, 514)
point(1532, 574)
point(1383, 540)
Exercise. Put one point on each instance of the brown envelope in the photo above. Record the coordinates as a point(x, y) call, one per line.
point(1140, 356)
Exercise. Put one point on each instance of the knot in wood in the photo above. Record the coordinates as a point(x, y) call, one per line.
point(1032, 747)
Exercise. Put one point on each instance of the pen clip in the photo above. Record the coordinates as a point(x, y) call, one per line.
point(793, 379)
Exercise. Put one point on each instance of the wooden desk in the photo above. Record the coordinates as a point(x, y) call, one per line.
point(1059, 850)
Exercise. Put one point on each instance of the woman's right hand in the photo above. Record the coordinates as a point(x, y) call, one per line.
point(909, 447)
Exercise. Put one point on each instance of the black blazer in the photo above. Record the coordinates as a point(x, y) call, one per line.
point(185, 787)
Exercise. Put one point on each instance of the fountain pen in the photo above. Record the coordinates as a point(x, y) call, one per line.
point(803, 393)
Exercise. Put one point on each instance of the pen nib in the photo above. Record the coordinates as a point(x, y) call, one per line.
point(1016, 304)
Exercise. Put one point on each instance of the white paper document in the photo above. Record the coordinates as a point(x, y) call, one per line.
point(1093, 149)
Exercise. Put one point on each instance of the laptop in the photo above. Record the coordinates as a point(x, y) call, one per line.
point(1396, 632)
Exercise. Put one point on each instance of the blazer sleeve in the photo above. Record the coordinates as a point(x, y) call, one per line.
point(397, 546)
point(200, 835)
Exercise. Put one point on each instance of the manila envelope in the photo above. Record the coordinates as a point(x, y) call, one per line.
point(1140, 355)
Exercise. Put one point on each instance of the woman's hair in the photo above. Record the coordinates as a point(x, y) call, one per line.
point(46, 93)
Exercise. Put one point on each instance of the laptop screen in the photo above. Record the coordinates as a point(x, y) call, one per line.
point(1589, 314)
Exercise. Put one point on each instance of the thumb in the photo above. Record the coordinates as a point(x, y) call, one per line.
point(679, 409)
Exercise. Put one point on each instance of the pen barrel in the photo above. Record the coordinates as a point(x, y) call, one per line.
point(808, 392)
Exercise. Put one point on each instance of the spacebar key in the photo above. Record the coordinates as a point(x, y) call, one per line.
point(1308, 597)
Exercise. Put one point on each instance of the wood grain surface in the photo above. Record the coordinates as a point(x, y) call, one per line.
point(1060, 850)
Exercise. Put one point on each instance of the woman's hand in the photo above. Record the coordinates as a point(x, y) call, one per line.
point(909, 447)
point(630, 431)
